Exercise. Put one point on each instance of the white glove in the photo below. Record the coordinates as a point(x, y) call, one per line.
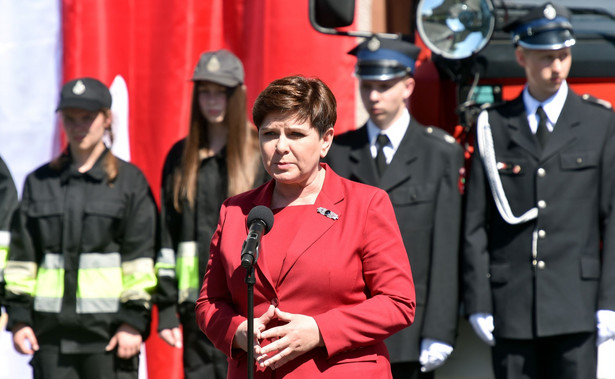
point(433, 354)
point(482, 323)
point(606, 326)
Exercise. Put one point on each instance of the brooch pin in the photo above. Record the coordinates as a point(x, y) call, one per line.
point(328, 213)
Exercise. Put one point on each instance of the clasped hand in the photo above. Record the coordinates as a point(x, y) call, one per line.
point(298, 335)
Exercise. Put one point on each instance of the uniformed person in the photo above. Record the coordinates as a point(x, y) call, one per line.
point(419, 168)
point(81, 265)
point(8, 204)
point(218, 158)
point(539, 255)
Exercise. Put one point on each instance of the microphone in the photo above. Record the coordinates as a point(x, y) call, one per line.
point(260, 221)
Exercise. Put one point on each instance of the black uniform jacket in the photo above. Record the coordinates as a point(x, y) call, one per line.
point(196, 223)
point(547, 276)
point(68, 212)
point(8, 204)
point(422, 183)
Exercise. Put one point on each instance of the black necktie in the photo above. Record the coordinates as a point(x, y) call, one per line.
point(542, 133)
point(381, 160)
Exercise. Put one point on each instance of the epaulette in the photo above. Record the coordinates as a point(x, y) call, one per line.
point(594, 100)
point(439, 134)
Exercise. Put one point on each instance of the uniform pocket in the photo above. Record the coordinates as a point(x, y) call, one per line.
point(590, 268)
point(413, 194)
point(579, 160)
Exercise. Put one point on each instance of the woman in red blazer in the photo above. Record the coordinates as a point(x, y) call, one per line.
point(332, 277)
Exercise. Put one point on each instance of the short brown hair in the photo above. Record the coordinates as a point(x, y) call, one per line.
point(308, 99)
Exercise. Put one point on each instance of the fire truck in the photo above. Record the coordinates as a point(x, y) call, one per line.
point(467, 63)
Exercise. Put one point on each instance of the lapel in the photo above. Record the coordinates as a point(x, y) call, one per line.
point(315, 225)
point(518, 128)
point(398, 170)
point(562, 134)
point(362, 165)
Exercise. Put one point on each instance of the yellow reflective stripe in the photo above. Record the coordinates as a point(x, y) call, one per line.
point(20, 277)
point(139, 280)
point(165, 263)
point(50, 284)
point(99, 282)
point(187, 268)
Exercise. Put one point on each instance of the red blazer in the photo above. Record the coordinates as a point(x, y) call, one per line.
point(351, 274)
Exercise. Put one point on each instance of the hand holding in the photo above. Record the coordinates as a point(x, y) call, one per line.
point(433, 354)
point(300, 334)
point(606, 326)
point(482, 323)
point(24, 339)
point(241, 334)
point(127, 340)
point(172, 336)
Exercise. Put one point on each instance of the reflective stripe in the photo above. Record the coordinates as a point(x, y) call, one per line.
point(97, 305)
point(5, 238)
point(99, 260)
point(99, 283)
point(139, 280)
point(50, 284)
point(20, 277)
point(5, 241)
point(4, 253)
point(165, 263)
point(187, 271)
point(166, 257)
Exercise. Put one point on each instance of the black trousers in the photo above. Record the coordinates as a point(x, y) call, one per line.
point(51, 364)
point(409, 370)
point(201, 359)
point(568, 356)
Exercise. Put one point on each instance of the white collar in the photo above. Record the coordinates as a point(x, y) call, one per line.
point(552, 106)
point(395, 132)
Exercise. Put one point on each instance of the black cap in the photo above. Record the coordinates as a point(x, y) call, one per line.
point(384, 58)
point(546, 27)
point(85, 93)
point(221, 67)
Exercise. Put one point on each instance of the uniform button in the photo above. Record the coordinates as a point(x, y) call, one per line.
point(579, 160)
point(542, 233)
point(542, 172)
point(534, 262)
point(542, 204)
point(541, 265)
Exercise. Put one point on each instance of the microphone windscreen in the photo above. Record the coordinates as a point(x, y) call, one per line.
point(263, 213)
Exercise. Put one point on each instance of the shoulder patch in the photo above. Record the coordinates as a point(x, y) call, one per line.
point(440, 134)
point(594, 100)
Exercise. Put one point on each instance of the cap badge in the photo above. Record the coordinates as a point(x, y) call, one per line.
point(213, 65)
point(549, 12)
point(328, 213)
point(373, 44)
point(79, 88)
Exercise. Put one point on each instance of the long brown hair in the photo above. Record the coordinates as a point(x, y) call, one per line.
point(110, 163)
point(242, 156)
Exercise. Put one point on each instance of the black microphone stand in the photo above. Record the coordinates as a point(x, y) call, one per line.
point(250, 281)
